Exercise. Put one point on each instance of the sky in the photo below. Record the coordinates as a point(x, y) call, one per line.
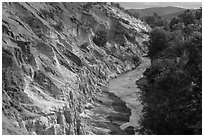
point(136, 5)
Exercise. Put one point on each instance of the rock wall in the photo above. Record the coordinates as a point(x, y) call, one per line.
point(52, 71)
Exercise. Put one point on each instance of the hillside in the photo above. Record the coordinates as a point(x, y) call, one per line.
point(162, 11)
point(57, 59)
point(170, 16)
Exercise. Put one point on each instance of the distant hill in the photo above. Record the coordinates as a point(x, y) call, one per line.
point(165, 12)
point(171, 15)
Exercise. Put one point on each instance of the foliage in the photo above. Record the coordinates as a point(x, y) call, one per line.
point(156, 21)
point(159, 39)
point(198, 14)
point(151, 21)
point(100, 38)
point(194, 66)
point(191, 28)
point(173, 22)
point(187, 17)
point(173, 96)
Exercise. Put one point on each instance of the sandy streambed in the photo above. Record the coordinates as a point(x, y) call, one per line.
point(125, 88)
point(117, 110)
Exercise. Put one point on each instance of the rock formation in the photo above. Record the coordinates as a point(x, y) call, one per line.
point(56, 61)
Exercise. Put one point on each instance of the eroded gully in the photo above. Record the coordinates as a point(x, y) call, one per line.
point(117, 109)
point(125, 88)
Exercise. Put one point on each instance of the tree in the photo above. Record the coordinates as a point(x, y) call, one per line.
point(173, 96)
point(156, 21)
point(194, 65)
point(187, 17)
point(173, 22)
point(159, 39)
point(150, 20)
point(198, 14)
point(191, 28)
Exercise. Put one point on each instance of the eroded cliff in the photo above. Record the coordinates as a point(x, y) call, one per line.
point(56, 61)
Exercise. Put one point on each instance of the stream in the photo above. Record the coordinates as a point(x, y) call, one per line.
point(117, 109)
point(125, 88)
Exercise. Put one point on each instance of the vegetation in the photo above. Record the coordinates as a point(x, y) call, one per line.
point(100, 38)
point(173, 96)
point(159, 39)
point(156, 21)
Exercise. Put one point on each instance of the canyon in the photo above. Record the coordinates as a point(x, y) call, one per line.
point(59, 61)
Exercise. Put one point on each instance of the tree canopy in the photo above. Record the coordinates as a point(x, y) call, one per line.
point(173, 96)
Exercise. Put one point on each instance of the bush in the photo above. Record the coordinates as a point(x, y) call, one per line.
point(173, 22)
point(150, 20)
point(156, 21)
point(159, 40)
point(198, 14)
point(100, 38)
point(187, 17)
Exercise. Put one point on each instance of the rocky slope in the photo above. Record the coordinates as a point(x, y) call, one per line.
point(54, 72)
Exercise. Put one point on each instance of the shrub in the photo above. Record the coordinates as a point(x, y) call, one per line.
point(100, 38)
point(198, 14)
point(173, 95)
point(187, 17)
point(159, 39)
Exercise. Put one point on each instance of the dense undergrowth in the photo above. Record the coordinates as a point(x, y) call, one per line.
point(173, 96)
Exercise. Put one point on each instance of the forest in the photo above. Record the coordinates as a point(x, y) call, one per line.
point(172, 97)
